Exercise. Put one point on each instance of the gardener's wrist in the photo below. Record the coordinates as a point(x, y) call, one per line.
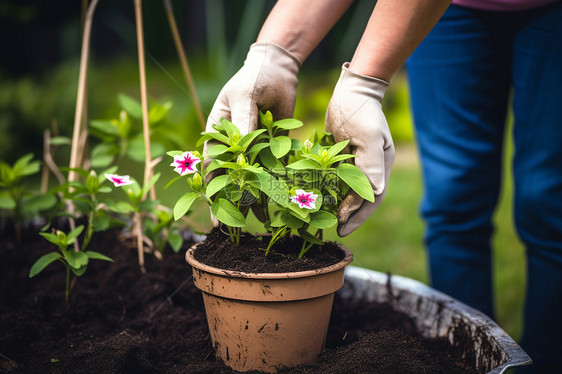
point(280, 54)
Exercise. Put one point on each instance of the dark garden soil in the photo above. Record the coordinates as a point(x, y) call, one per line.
point(122, 321)
point(248, 256)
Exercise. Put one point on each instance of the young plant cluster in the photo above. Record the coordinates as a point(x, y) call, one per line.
point(292, 187)
point(78, 207)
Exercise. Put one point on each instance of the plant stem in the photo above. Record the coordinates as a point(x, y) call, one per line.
point(319, 234)
point(232, 237)
point(137, 218)
point(277, 234)
point(67, 290)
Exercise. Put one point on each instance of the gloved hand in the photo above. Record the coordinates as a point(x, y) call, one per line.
point(267, 81)
point(355, 113)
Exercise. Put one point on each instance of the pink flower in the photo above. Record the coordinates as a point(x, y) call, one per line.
point(185, 163)
point(119, 180)
point(305, 199)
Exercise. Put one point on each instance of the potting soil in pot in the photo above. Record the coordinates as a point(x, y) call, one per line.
point(122, 321)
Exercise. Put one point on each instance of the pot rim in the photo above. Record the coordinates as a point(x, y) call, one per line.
point(295, 274)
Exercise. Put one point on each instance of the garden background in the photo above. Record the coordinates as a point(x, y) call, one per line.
point(40, 44)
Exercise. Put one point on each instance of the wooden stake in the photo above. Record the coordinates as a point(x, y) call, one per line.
point(184, 63)
point(74, 157)
point(145, 127)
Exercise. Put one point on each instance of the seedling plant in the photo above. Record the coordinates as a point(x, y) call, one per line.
point(293, 188)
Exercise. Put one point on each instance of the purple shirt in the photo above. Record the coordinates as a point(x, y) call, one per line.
point(503, 5)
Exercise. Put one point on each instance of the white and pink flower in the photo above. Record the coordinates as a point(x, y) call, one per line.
point(305, 199)
point(119, 180)
point(185, 163)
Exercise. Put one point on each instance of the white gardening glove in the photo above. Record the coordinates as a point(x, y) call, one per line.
point(355, 114)
point(267, 81)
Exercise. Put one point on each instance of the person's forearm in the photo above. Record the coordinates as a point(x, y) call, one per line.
point(395, 29)
point(299, 25)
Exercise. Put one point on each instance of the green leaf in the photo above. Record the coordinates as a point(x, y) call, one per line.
point(43, 262)
point(184, 203)
point(215, 150)
point(60, 140)
point(82, 172)
point(276, 189)
point(76, 260)
point(173, 181)
point(121, 207)
point(176, 242)
point(322, 220)
point(157, 112)
point(228, 127)
point(97, 256)
point(212, 135)
point(288, 124)
point(147, 205)
point(258, 147)
point(130, 105)
point(174, 153)
point(235, 149)
point(7, 202)
point(135, 150)
point(305, 164)
point(356, 180)
point(280, 146)
point(103, 155)
point(101, 222)
point(337, 148)
point(217, 184)
point(105, 127)
point(79, 271)
point(309, 237)
point(52, 238)
point(23, 166)
point(269, 160)
point(266, 119)
point(39, 203)
point(249, 138)
point(227, 213)
point(215, 164)
point(343, 157)
point(74, 234)
point(296, 145)
point(301, 214)
point(282, 218)
point(150, 183)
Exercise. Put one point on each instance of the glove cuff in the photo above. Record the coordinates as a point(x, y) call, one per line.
point(374, 86)
point(275, 53)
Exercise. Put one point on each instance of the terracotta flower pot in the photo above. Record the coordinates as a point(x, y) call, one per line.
point(268, 321)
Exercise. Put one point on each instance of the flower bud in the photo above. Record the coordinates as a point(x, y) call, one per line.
point(325, 156)
point(241, 160)
point(307, 146)
point(92, 183)
point(196, 183)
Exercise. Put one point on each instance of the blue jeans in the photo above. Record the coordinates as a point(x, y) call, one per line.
point(461, 78)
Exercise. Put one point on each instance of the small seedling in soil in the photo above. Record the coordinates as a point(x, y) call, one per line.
point(77, 262)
